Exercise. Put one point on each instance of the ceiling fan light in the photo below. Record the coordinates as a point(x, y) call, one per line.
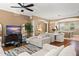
point(22, 10)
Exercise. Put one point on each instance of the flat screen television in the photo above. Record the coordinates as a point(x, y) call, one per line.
point(12, 29)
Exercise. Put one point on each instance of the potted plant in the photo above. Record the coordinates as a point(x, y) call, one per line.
point(29, 29)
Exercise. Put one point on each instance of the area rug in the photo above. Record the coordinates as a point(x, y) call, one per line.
point(27, 48)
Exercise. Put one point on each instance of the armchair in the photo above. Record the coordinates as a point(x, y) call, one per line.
point(39, 40)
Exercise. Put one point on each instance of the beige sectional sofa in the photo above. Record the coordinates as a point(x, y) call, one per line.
point(49, 50)
point(39, 40)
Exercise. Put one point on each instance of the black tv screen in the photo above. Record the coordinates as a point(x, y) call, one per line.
point(11, 29)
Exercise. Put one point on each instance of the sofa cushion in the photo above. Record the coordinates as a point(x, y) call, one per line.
point(68, 51)
point(33, 37)
point(55, 52)
point(46, 48)
point(49, 47)
point(24, 54)
point(42, 52)
point(43, 35)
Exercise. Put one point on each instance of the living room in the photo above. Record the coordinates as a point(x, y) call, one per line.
point(41, 32)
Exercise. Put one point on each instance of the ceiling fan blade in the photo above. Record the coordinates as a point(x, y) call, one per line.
point(15, 7)
point(30, 5)
point(29, 9)
point(20, 4)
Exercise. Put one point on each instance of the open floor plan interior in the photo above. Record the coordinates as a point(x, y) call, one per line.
point(39, 29)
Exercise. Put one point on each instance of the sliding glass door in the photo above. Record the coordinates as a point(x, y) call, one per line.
point(69, 28)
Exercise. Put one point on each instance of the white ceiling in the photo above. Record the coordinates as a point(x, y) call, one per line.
point(47, 10)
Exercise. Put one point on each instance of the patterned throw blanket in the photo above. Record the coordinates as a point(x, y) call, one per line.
point(27, 48)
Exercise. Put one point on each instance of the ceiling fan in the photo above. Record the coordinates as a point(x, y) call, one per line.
point(22, 5)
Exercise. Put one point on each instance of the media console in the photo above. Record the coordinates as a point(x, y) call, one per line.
point(13, 39)
point(13, 35)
